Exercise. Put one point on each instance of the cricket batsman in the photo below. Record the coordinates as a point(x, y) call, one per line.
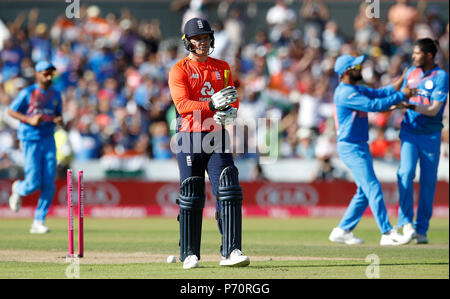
point(38, 107)
point(205, 98)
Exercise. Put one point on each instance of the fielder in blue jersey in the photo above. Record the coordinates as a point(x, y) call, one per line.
point(421, 139)
point(352, 103)
point(38, 108)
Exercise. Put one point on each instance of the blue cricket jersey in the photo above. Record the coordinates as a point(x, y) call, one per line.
point(34, 100)
point(352, 102)
point(431, 86)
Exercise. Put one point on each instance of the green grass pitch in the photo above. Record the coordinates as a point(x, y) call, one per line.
point(279, 248)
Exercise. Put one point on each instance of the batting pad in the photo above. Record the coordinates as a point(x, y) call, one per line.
point(191, 202)
point(230, 202)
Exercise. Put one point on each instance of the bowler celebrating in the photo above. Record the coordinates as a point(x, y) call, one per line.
point(38, 108)
point(203, 92)
point(352, 104)
point(421, 139)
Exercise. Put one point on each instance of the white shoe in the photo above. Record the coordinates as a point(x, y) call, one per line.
point(38, 227)
point(392, 238)
point(235, 259)
point(15, 200)
point(338, 235)
point(409, 232)
point(421, 239)
point(190, 262)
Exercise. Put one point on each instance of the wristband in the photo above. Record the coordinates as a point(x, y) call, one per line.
point(412, 107)
point(25, 120)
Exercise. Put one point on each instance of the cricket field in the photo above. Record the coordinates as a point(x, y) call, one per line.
point(296, 248)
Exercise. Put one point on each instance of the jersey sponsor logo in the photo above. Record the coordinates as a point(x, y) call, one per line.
point(38, 101)
point(207, 89)
point(360, 114)
point(424, 86)
point(194, 76)
point(421, 97)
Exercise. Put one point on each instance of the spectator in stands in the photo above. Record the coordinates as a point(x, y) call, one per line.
point(380, 146)
point(315, 14)
point(402, 18)
point(160, 140)
point(280, 18)
point(305, 148)
point(114, 56)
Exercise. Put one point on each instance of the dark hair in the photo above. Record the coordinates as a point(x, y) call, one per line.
point(427, 45)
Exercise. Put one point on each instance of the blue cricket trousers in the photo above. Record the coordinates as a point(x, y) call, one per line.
point(424, 148)
point(40, 171)
point(356, 156)
point(203, 151)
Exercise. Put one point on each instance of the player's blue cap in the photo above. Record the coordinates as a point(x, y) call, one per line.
point(344, 62)
point(43, 65)
point(196, 26)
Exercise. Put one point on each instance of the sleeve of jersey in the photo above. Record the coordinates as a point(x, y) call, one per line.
point(19, 102)
point(440, 92)
point(179, 91)
point(405, 81)
point(360, 102)
point(380, 92)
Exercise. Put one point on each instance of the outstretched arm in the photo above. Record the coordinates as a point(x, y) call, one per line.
point(362, 102)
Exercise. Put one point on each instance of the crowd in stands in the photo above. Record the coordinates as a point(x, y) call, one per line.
point(112, 70)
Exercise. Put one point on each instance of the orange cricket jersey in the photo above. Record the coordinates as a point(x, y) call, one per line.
point(191, 85)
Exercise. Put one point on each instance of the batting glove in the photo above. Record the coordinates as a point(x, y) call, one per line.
point(223, 98)
point(225, 117)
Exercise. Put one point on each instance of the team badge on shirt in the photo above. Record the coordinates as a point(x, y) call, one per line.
point(429, 84)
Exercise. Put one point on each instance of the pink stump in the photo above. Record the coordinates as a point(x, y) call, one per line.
point(70, 211)
point(80, 214)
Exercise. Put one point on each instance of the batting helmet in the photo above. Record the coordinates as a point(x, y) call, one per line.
point(195, 27)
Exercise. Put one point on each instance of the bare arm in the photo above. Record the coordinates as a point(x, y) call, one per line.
point(323, 10)
point(398, 83)
point(34, 120)
point(430, 110)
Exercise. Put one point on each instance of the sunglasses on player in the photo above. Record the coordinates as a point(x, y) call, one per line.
point(356, 67)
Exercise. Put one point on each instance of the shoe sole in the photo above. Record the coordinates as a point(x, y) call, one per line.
point(191, 267)
point(413, 236)
point(38, 232)
point(243, 263)
point(343, 242)
point(421, 242)
point(337, 240)
point(393, 244)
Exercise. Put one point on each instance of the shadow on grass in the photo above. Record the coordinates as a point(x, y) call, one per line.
point(345, 265)
point(281, 266)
